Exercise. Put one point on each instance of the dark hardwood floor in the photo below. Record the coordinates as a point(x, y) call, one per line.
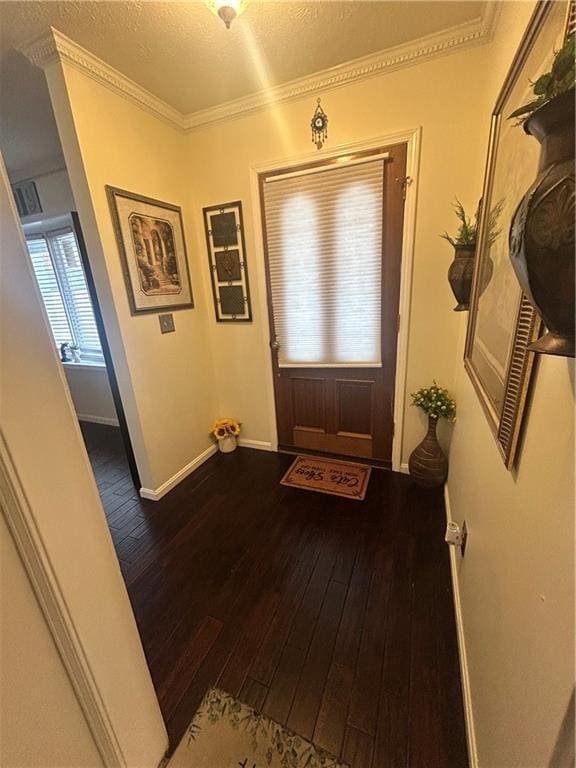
point(334, 617)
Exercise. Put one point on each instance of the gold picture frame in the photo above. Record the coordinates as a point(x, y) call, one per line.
point(150, 238)
point(502, 322)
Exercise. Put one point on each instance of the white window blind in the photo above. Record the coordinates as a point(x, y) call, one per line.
point(324, 243)
point(49, 289)
point(60, 274)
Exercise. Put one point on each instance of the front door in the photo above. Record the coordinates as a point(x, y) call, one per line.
point(333, 246)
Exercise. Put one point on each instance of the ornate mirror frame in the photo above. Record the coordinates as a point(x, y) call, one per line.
point(500, 314)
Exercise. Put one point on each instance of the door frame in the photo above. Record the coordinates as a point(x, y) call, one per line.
point(109, 362)
point(411, 137)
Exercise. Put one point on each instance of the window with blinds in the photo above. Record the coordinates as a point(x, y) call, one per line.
point(62, 282)
point(324, 246)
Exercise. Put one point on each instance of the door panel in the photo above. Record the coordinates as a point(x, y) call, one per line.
point(308, 402)
point(355, 406)
point(347, 411)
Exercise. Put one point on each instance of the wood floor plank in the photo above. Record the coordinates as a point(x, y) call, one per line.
point(236, 670)
point(308, 697)
point(366, 689)
point(305, 619)
point(173, 687)
point(284, 595)
point(268, 655)
point(284, 684)
point(331, 721)
point(391, 743)
point(358, 749)
point(253, 693)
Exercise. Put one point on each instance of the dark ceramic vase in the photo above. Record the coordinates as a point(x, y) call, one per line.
point(427, 463)
point(460, 274)
point(542, 230)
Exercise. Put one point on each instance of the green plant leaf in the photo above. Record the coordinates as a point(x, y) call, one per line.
point(558, 80)
point(562, 63)
point(526, 108)
point(543, 82)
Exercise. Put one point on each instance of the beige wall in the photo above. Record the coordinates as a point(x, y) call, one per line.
point(91, 393)
point(42, 437)
point(454, 137)
point(166, 381)
point(517, 578)
point(41, 723)
point(516, 581)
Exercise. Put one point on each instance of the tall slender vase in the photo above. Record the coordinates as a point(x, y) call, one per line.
point(460, 275)
point(542, 230)
point(427, 464)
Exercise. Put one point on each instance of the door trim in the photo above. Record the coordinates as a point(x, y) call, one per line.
point(111, 372)
point(36, 559)
point(411, 137)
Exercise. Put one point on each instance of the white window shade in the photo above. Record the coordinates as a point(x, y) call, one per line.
point(62, 282)
point(49, 289)
point(324, 245)
point(75, 290)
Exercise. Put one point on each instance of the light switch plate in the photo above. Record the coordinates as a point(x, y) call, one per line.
point(166, 323)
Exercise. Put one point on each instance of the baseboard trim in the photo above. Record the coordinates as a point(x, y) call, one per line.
point(157, 493)
point(464, 673)
point(258, 445)
point(109, 421)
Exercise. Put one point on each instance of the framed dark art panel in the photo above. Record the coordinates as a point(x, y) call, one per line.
point(224, 227)
point(502, 322)
point(150, 240)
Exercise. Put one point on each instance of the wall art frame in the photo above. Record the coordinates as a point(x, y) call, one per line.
point(502, 322)
point(224, 228)
point(150, 238)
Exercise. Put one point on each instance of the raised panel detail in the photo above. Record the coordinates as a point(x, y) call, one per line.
point(354, 406)
point(308, 402)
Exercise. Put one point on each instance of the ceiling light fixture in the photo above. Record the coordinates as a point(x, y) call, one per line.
point(227, 9)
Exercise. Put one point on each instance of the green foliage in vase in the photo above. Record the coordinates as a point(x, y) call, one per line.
point(551, 84)
point(467, 230)
point(494, 231)
point(435, 402)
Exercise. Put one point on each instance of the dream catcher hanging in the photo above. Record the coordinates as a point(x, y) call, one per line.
point(319, 125)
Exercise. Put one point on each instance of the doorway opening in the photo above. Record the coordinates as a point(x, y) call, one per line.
point(60, 263)
point(333, 237)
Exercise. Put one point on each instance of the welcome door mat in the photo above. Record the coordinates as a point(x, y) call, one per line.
point(338, 478)
point(228, 734)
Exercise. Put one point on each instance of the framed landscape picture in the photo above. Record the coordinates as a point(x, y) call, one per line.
point(224, 228)
point(502, 322)
point(152, 249)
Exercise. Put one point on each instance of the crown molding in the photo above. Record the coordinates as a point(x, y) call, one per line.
point(54, 46)
point(473, 33)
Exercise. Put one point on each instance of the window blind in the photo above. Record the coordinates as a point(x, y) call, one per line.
point(49, 289)
point(324, 245)
point(60, 274)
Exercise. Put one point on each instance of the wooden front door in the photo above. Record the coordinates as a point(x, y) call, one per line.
point(311, 227)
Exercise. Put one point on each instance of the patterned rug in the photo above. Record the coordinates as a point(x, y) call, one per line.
point(228, 734)
point(338, 478)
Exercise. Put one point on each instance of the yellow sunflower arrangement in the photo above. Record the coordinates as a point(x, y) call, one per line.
point(225, 427)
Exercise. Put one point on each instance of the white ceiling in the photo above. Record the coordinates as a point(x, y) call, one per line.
point(183, 54)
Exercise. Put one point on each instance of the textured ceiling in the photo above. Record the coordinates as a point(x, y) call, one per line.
point(186, 56)
point(183, 54)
